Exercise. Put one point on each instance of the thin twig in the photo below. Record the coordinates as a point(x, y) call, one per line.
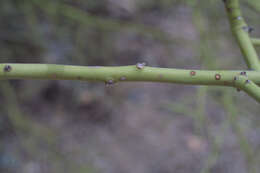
point(255, 41)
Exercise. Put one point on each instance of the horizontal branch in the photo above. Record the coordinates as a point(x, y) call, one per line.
point(111, 75)
point(255, 41)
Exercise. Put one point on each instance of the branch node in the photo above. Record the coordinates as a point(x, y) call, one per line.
point(243, 73)
point(140, 65)
point(109, 83)
point(7, 68)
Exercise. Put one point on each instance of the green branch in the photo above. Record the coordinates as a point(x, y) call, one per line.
point(142, 73)
point(255, 41)
point(241, 31)
point(242, 82)
point(111, 75)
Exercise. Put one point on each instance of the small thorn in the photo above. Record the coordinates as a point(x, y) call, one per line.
point(243, 73)
point(140, 66)
point(7, 68)
point(248, 29)
point(247, 81)
point(109, 82)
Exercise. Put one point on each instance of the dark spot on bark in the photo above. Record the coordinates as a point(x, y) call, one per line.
point(217, 76)
point(243, 73)
point(248, 29)
point(7, 68)
point(192, 73)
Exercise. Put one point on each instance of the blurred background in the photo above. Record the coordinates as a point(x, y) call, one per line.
point(83, 127)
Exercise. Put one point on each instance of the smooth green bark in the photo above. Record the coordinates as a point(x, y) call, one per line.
point(243, 83)
point(121, 74)
point(240, 30)
point(256, 41)
point(140, 72)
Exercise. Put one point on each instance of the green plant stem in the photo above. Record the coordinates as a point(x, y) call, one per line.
point(255, 41)
point(243, 83)
point(121, 73)
point(240, 31)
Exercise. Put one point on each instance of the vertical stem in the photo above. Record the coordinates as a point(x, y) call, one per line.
point(240, 31)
